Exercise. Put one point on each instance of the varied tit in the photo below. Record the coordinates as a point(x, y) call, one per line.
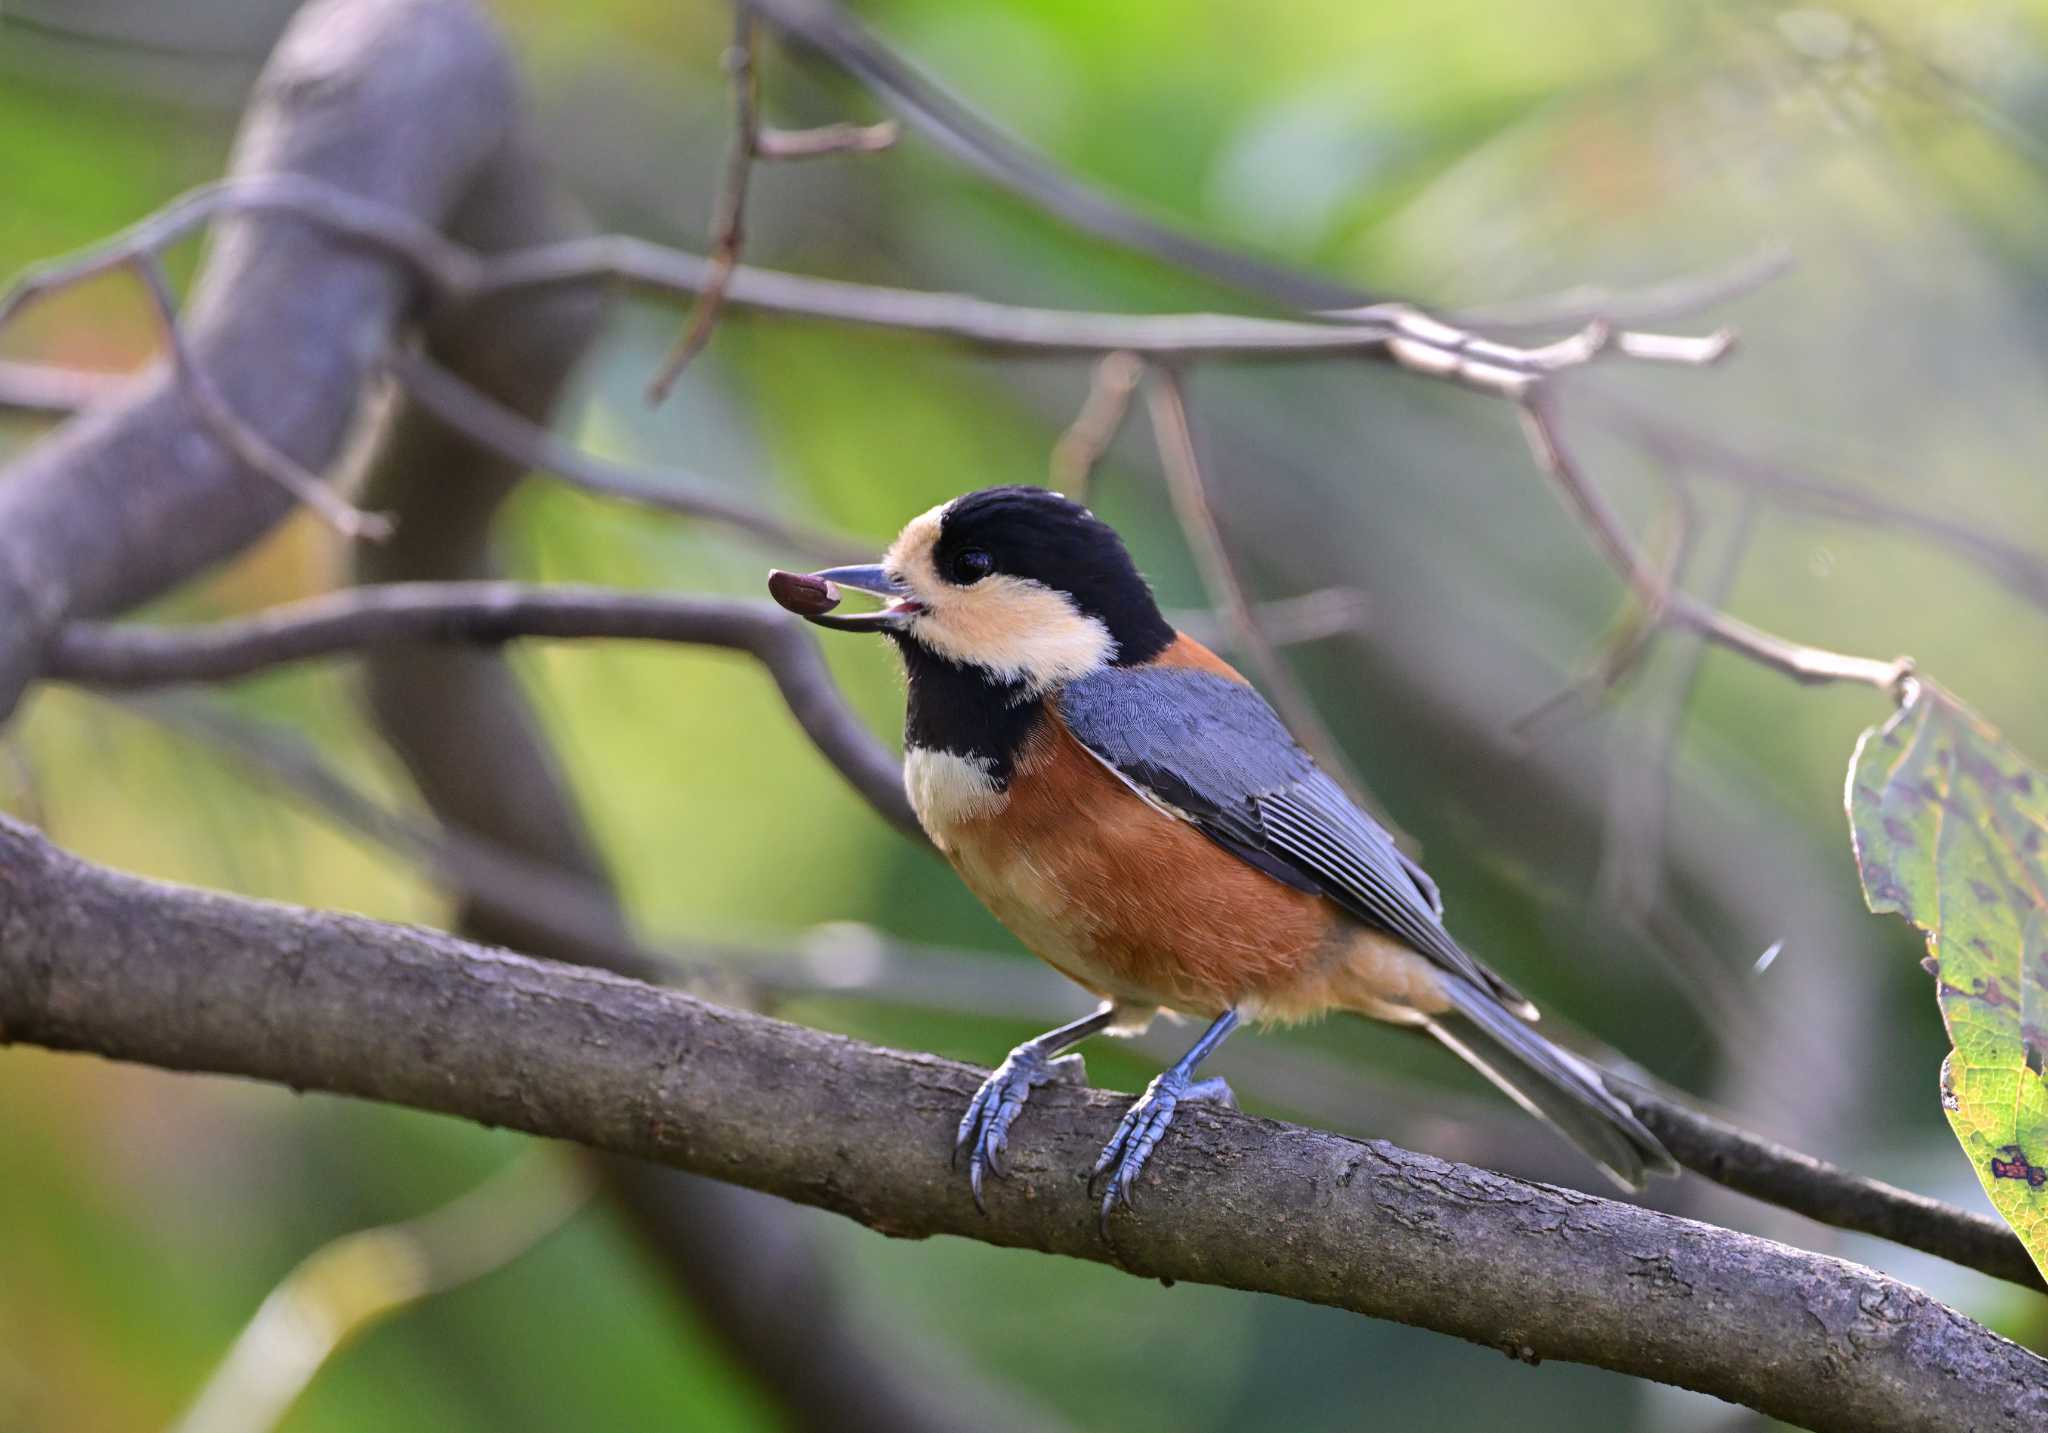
point(1134, 811)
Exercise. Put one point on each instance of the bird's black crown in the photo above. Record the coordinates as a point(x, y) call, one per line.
point(1037, 534)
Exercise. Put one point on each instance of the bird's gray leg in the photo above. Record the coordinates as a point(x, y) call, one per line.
point(1146, 1121)
point(986, 1125)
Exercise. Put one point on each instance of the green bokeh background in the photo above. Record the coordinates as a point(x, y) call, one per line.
point(1461, 154)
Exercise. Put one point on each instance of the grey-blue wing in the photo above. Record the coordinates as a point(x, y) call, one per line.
point(1211, 751)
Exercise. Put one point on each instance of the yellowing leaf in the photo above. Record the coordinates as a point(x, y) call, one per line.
point(1951, 832)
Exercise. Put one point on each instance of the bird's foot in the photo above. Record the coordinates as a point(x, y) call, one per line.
point(985, 1128)
point(1123, 1159)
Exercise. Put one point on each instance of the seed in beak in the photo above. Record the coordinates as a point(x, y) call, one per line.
point(801, 593)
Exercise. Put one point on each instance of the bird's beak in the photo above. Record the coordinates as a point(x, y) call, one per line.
point(868, 579)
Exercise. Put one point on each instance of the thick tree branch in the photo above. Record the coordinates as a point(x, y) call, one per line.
point(138, 494)
point(95, 961)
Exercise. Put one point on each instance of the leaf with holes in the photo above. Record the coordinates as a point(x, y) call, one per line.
point(1951, 832)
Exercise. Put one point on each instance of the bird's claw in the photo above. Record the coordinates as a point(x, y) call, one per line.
point(985, 1128)
point(1140, 1131)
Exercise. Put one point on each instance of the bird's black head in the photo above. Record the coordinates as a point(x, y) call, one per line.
point(1020, 583)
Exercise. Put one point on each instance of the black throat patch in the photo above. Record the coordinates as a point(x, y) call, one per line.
point(966, 710)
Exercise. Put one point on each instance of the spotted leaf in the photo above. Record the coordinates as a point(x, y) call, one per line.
point(1951, 831)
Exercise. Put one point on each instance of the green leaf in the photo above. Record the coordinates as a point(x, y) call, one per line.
point(1951, 832)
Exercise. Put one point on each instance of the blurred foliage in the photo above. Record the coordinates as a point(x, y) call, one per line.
point(1951, 829)
point(1461, 154)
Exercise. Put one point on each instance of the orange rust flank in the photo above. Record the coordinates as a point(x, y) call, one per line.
point(1131, 902)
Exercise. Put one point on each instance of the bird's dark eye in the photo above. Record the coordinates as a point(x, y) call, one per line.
point(971, 564)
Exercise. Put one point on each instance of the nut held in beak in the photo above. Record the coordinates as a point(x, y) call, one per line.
point(801, 593)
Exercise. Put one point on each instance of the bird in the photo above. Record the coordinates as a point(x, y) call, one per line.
point(1127, 804)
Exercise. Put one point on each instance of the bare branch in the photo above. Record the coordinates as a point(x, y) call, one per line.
point(749, 142)
point(1638, 622)
point(728, 224)
point(825, 139)
point(1796, 660)
point(379, 227)
point(247, 444)
point(119, 657)
point(1393, 332)
point(1398, 333)
point(1658, 303)
point(978, 142)
point(1095, 427)
point(102, 962)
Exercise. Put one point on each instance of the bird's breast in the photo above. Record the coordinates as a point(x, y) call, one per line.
point(1116, 894)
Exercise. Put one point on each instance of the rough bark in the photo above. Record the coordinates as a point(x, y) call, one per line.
point(97, 961)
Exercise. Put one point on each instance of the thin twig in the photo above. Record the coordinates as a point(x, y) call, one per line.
point(1629, 638)
point(843, 138)
point(1630, 876)
point(1657, 303)
point(1182, 466)
point(497, 427)
point(1397, 332)
point(1074, 457)
point(243, 441)
point(127, 658)
point(446, 266)
point(1802, 663)
point(728, 224)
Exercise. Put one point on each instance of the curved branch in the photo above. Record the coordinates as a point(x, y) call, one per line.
point(485, 612)
point(1804, 664)
point(96, 961)
point(977, 141)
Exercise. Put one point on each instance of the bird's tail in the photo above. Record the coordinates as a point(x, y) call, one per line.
point(1552, 1084)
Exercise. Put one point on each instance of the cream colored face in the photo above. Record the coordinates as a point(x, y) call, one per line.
point(1019, 630)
